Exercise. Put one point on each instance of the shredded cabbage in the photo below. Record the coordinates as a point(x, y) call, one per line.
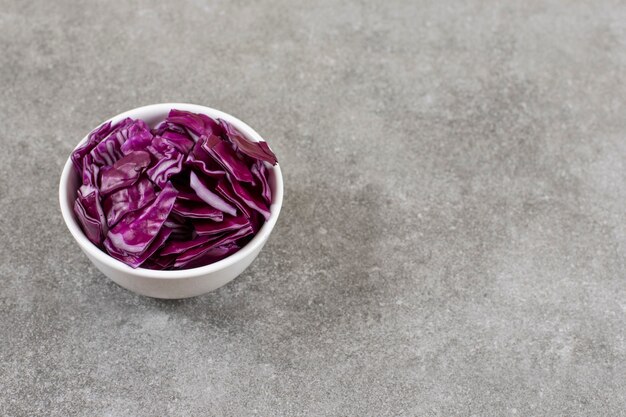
point(187, 193)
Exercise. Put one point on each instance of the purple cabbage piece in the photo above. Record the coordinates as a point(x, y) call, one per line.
point(125, 172)
point(203, 227)
point(211, 126)
point(201, 187)
point(224, 188)
point(158, 148)
point(256, 221)
point(175, 219)
point(126, 200)
point(211, 256)
point(200, 159)
point(90, 225)
point(138, 137)
point(182, 143)
point(260, 172)
point(191, 121)
point(188, 196)
point(170, 164)
point(177, 248)
point(109, 149)
point(181, 228)
point(93, 139)
point(195, 123)
point(90, 214)
point(202, 250)
point(157, 261)
point(134, 233)
point(135, 261)
point(252, 200)
point(185, 192)
point(197, 211)
point(226, 156)
point(165, 126)
point(90, 172)
point(257, 150)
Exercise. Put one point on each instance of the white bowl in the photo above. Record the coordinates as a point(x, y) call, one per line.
point(180, 283)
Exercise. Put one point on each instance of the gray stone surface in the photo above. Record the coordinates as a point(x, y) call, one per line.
point(453, 237)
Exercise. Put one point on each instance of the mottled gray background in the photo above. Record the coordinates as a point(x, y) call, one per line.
point(453, 237)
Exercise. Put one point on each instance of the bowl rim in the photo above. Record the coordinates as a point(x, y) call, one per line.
point(93, 251)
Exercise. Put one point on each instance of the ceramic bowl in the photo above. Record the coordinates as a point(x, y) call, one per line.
point(179, 283)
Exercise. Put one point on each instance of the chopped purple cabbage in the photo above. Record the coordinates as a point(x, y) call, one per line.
point(203, 189)
point(253, 200)
point(138, 137)
point(193, 210)
point(125, 172)
point(199, 251)
point(226, 156)
point(199, 158)
point(171, 164)
point(185, 194)
point(260, 172)
point(135, 231)
point(224, 188)
point(122, 202)
point(215, 228)
point(90, 215)
point(255, 150)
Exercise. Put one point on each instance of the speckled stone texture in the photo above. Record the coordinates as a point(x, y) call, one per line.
point(453, 237)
